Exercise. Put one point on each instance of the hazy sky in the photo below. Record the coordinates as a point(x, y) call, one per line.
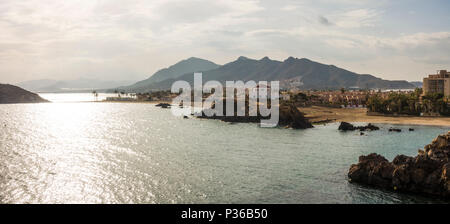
point(130, 40)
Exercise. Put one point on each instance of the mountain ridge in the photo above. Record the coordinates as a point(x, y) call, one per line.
point(190, 65)
point(307, 73)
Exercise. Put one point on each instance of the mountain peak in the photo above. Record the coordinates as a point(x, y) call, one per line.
point(194, 58)
point(290, 59)
point(241, 58)
point(265, 59)
point(189, 65)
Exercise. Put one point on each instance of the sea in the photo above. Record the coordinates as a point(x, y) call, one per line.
point(77, 150)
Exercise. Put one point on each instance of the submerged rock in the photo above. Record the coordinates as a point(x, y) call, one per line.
point(395, 130)
point(344, 126)
point(427, 173)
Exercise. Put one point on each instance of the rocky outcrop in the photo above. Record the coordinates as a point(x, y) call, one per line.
point(14, 94)
point(163, 105)
point(344, 126)
point(289, 116)
point(427, 173)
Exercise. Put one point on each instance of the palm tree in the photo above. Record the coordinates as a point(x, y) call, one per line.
point(95, 95)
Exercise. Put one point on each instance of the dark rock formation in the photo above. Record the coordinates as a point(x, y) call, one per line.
point(395, 130)
point(14, 94)
point(289, 116)
point(344, 126)
point(411, 129)
point(163, 105)
point(427, 173)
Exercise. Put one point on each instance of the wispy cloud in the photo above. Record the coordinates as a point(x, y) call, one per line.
point(324, 21)
point(357, 18)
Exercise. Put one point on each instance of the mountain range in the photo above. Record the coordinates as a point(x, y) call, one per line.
point(296, 73)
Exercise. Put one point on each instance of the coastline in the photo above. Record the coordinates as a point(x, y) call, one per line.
point(320, 115)
point(316, 114)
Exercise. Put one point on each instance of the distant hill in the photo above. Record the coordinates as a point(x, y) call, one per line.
point(14, 94)
point(417, 84)
point(78, 85)
point(292, 73)
point(189, 65)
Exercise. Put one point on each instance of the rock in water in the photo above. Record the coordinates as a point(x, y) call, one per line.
point(344, 126)
point(427, 173)
point(163, 105)
point(289, 116)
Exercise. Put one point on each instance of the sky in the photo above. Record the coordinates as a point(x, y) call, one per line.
point(130, 40)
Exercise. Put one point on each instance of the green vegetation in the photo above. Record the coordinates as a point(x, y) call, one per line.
point(409, 103)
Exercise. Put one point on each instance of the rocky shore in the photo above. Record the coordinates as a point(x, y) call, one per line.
point(289, 117)
point(14, 94)
point(426, 173)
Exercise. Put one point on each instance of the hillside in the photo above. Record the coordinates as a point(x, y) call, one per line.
point(189, 65)
point(292, 73)
point(418, 84)
point(14, 94)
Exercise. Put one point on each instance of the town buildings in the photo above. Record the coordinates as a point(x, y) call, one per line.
point(437, 83)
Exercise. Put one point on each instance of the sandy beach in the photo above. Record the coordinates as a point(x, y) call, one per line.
point(318, 114)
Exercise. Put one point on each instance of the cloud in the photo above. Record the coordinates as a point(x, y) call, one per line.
point(113, 38)
point(324, 21)
point(357, 18)
point(289, 8)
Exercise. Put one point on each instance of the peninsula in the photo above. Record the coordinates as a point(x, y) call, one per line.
point(13, 94)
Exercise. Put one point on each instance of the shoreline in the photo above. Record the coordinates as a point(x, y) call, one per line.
point(317, 114)
point(321, 115)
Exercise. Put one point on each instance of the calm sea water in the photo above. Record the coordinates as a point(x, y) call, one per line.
point(137, 153)
point(76, 97)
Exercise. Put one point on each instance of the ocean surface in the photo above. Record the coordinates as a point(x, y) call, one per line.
point(87, 152)
point(76, 97)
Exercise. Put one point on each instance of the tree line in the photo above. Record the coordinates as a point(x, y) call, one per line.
point(412, 103)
